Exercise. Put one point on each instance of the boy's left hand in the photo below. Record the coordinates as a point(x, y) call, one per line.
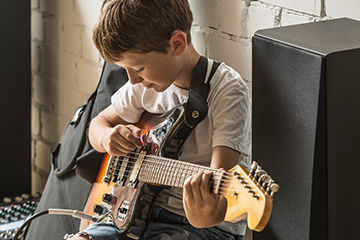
point(202, 208)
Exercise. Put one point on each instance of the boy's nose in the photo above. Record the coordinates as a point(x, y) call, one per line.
point(134, 78)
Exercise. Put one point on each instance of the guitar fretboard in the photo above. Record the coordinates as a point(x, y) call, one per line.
point(170, 172)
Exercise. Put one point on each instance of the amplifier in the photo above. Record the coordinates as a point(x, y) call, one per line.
point(306, 127)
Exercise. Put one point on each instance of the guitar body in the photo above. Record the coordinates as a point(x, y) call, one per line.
point(128, 200)
point(131, 183)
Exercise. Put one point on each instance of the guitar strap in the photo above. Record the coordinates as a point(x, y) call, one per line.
point(196, 107)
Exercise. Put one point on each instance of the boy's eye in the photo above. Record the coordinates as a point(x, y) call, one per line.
point(139, 71)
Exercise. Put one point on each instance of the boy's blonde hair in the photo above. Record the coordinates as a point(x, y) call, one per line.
point(139, 26)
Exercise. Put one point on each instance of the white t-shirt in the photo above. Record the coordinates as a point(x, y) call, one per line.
point(228, 123)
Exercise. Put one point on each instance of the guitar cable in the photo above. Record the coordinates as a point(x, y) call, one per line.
point(54, 211)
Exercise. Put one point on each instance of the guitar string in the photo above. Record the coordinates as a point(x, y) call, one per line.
point(183, 166)
point(157, 178)
point(217, 177)
point(155, 157)
point(187, 170)
point(223, 186)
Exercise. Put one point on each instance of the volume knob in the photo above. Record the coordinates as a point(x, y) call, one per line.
point(98, 209)
point(109, 199)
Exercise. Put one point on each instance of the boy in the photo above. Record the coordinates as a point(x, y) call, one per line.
point(151, 40)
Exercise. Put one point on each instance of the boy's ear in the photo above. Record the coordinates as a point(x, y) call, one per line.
point(178, 42)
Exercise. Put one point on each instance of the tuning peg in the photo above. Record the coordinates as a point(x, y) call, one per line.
point(264, 180)
point(254, 167)
point(271, 181)
point(274, 188)
point(259, 173)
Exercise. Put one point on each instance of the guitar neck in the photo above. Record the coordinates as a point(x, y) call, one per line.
point(170, 172)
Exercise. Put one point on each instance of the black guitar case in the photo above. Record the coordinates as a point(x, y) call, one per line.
point(64, 188)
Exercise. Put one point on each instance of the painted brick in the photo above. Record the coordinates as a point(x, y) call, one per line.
point(61, 126)
point(49, 64)
point(42, 151)
point(42, 91)
point(53, 29)
point(49, 7)
point(35, 120)
point(60, 98)
point(49, 123)
point(236, 54)
point(38, 182)
point(35, 56)
point(260, 16)
point(41, 157)
point(37, 30)
point(65, 11)
point(86, 12)
point(290, 18)
point(312, 7)
point(348, 8)
point(205, 12)
point(71, 38)
point(35, 4)
point(67, 63)
point(76, 99)
point(88, 49)
point(232, 14)
point(198, 37)
point(87, 76)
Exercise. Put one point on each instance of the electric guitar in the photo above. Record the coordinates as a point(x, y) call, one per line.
point(126, 187)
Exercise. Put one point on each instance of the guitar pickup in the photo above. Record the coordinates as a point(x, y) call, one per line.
point(123, 210)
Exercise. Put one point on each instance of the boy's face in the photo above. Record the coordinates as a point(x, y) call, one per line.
point(153, 70)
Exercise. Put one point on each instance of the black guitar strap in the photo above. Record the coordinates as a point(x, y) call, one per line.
point(196, 107)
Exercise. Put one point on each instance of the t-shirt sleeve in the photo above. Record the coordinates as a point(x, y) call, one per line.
point(126, 103)
point(231, 116)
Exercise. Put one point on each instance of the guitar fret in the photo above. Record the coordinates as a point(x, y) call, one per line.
point(178, 178)
point(189, 171)
point(158, 171)
point(153, 173)
point(162, 172)
point(174, 175)
point(168, 174)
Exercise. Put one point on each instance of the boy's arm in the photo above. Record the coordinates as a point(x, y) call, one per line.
point(109, 133)
point(203, 208)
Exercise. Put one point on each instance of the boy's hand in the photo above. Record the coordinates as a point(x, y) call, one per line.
point(122, 139)
point(202, 208)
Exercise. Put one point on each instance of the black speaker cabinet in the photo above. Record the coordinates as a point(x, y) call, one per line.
point(306, 127)
point(15, 99)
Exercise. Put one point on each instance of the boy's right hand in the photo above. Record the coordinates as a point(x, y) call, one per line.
point(122, 139)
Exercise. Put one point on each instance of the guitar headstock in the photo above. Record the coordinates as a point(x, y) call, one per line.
point(249, 194)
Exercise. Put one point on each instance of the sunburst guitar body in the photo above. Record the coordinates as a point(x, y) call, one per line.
point(126, 187)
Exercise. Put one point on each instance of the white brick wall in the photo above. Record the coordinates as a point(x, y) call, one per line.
point(66, 66)
point(65, 70)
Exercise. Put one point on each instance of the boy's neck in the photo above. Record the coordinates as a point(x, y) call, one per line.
point(189, 60)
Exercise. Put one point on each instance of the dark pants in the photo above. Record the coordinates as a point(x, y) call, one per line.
point(164, 225)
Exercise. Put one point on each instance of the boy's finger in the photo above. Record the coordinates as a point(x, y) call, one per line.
point(137, 132)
